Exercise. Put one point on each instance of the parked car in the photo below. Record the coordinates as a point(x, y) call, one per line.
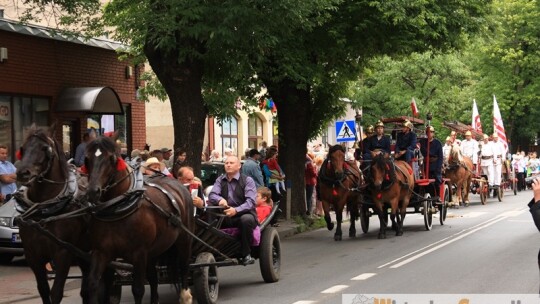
point(10, 240)
point(210, 171)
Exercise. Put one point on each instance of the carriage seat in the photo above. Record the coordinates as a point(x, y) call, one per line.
point(235, 232)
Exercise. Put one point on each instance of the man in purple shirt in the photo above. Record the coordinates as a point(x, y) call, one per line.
point(237, 194)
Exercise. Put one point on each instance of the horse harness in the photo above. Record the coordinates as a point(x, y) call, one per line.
point(392, 181)
point(349, 173)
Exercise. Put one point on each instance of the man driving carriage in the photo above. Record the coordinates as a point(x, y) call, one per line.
point(434, 156)
point(469, 148)
point(359, 151)
point(376, 144)
point(237, 194)
point(406, 143)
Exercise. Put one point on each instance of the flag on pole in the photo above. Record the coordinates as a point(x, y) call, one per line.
point(498, 123)
point(414, 108)
point(476, 125)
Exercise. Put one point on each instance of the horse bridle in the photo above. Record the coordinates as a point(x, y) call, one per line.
point(108, 184)
point(50, 156)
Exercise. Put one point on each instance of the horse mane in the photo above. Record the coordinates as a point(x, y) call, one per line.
point(333, 149)
point(385, 163)
point(43, 135)
point(455, 155)
point(105, 143)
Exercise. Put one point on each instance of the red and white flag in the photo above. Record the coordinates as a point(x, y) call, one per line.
point(414, 108)
point(498, 123)
point(476, 125)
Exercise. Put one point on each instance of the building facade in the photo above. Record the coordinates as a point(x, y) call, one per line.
point(78, 84)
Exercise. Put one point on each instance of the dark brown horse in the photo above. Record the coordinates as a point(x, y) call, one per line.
point(339, 185)
point(159, 219)
point(460, 171)
point(393, 183)
point(49, 189)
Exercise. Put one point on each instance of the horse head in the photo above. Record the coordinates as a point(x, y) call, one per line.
point(336, 160)
point(382, 170)
point(102, 163)
point(38, 155)
point(455, 156)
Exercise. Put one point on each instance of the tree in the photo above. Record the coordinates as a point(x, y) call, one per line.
point(509, 62)
point(304, 52)
point(441, 83)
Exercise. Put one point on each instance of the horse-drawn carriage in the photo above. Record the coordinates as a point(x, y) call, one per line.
point(148, 223)
point(394, 185)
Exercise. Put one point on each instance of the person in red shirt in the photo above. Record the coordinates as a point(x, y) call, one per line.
point(264, 203)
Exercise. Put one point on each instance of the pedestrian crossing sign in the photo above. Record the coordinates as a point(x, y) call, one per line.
point(345, 131)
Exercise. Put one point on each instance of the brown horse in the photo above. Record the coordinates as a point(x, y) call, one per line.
point(339, 184)
point(392, 183)
point(160, 218)
point(49, 189)
point(460, 172)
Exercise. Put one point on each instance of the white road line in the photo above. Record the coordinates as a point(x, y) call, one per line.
point(473, 214)
point(304, 302)
point(437, 242)
point(446, 243)
point(363, 276)
point(512, 213)
point(335, 289)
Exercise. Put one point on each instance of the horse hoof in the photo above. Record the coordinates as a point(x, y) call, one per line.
point(399, 233)
point(330, 226)
point(337, 237)
point(382, 236)
point(352, 234)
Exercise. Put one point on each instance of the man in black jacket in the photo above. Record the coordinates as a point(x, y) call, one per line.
point(534, 206)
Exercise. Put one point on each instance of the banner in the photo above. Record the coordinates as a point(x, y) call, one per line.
point(498, 124)
point(476, 125)
point(414, 108)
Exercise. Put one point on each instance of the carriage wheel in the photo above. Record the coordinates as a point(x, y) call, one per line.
point(205, 280)
point(428, 214)
point(500, 193)
point(270, 255)
point(443, 208)
point(483, 190)
point(364, 218)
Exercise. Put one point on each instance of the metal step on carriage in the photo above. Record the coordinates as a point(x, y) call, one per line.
point(424, 199)
point(215, 247)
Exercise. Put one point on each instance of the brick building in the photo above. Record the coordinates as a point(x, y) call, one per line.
point(77, 83)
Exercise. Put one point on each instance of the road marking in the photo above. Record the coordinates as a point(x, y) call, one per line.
point(512, 213)
point(439, 242)
point(305, 302)
point(363, 276)
point(335, 289)
point(407, 261)
point(473, 214)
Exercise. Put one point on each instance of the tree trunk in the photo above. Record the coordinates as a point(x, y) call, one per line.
point(294, 115)
point(182, 81)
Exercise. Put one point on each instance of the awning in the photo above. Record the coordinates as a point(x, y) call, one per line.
point(93, 100)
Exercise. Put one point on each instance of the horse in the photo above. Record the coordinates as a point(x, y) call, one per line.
point(339, 184)
point(154, 219)
point(460, 172)
point(392, 183)
point(49, 189)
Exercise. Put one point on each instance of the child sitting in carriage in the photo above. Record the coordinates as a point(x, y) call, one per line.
point(264, 203)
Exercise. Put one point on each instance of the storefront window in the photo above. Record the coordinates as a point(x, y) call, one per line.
point(26, 111)
point(255, 131)
point(229, 135)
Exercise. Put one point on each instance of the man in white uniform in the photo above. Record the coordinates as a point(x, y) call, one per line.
point(469, 148)
point(486, 160)
point(499, 157)
point(446, 149)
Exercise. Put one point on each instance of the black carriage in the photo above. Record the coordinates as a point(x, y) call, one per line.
point(424, 199)
point(214, 247)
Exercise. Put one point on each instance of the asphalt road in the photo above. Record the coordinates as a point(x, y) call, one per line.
point(489, 249)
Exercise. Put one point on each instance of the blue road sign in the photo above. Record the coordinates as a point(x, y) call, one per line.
point(345, 131)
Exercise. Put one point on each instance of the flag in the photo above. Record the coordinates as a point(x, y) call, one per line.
point(476, 125)
point(414, 108)
point(498, 123)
